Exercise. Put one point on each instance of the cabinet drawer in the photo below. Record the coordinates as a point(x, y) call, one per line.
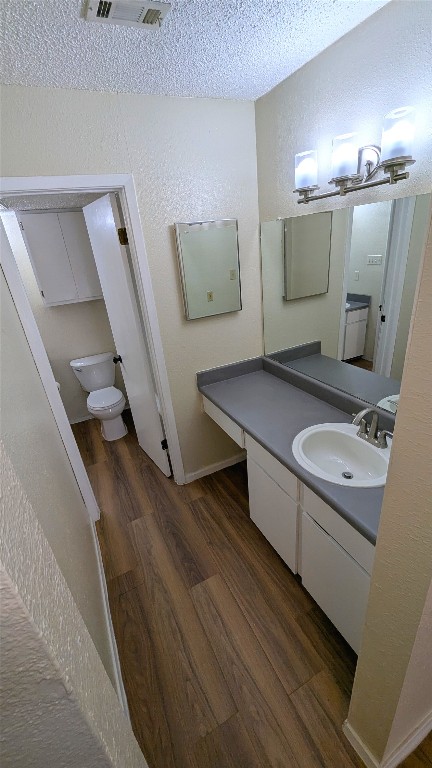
point(351, 540)
point(356, 315)
point(337, 583)
point(274, 513)
point(228, 425)
point(280, 474)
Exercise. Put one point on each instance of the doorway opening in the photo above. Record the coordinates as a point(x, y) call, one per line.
point(77, 252)
point(384, 253)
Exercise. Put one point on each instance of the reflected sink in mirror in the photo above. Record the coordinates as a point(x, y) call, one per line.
point(334, 453)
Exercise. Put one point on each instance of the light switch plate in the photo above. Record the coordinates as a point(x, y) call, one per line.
point(377, 260)
point(209, 295)
point(233, 274)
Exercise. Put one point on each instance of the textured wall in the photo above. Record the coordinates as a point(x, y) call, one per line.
point(287, 323)
point(403, 565)
point(191, 159)
point(348, 87)
point(415, 703)
point(68, 331)
point(417, 241)
point(59, 707)
point(37, 453)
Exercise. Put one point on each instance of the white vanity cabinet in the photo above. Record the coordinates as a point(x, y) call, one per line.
point(273, 497)
point(355, 333)
point(333, 559)
point(336, 562)
point(61, 255)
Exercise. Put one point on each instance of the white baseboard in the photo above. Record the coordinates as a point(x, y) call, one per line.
point(397, 755)
point(368, 758)
point(408, 745)
point(119, 685)
point(209, 470)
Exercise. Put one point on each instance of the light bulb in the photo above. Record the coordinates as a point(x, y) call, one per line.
point(398, 133)
point(306, 169)
point(344, 155)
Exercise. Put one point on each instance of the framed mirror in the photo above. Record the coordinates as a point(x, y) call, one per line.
point(354, 337)
point(306, 255)
point(209, 267)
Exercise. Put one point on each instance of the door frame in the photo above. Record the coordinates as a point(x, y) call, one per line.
point(400, 228)
point(123, 185)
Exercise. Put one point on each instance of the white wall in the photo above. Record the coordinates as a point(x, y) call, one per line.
point(415, 702)
point(37, 453)
point(57, 657)
point(381, 64)
point(369, 237)
point(191, 159)
point(58, 705)
point(68, 331)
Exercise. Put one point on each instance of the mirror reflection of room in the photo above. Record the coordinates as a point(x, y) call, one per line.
point(364, 317)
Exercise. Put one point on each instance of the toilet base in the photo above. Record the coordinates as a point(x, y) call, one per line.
point(113, 429)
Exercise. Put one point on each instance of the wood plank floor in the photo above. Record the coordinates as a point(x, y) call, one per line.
point(227, 661)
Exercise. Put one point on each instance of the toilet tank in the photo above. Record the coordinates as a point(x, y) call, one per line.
point(94, 372)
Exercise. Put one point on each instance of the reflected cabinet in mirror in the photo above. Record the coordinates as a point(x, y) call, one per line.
point(360, 326)
point(209, 267)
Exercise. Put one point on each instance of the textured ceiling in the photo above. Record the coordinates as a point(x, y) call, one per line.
point(46, 202)
point(222, 49)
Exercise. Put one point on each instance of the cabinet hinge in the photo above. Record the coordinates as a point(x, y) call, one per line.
point(122, 236)
point(42, 294)
point(21, 226)
point(164, 444)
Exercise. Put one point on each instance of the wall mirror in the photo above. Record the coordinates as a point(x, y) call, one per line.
point(209, 267)
point(362, 322)
point(306, 255)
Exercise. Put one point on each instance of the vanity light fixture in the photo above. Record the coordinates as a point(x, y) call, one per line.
point(354, 167)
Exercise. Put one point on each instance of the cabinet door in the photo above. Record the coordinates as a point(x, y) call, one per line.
point(355, 334)
point(337, 583)
point(80, 253)
point(274, 513)
point(49, 257)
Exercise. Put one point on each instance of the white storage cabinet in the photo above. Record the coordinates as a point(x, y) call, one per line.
point(273, 497)
point(336, 562)
point(61, 255)
point(355, 333)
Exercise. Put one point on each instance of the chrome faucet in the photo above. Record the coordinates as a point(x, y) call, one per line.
point(371, 434)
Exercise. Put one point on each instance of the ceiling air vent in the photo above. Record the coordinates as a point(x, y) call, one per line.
point(128, 13)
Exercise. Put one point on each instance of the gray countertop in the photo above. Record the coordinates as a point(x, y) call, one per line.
point(352, 305)
point(273, 412)
point(366, 385)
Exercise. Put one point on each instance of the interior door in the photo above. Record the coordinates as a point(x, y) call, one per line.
point(115, 278)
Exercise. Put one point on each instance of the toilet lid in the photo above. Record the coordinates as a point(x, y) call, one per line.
point(104, 398)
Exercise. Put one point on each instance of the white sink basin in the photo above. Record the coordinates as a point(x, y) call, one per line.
point(333, 452)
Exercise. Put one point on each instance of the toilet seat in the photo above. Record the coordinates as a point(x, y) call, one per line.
point(101, 399)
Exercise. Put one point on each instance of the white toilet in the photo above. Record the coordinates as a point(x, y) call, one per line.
point(96, 375)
